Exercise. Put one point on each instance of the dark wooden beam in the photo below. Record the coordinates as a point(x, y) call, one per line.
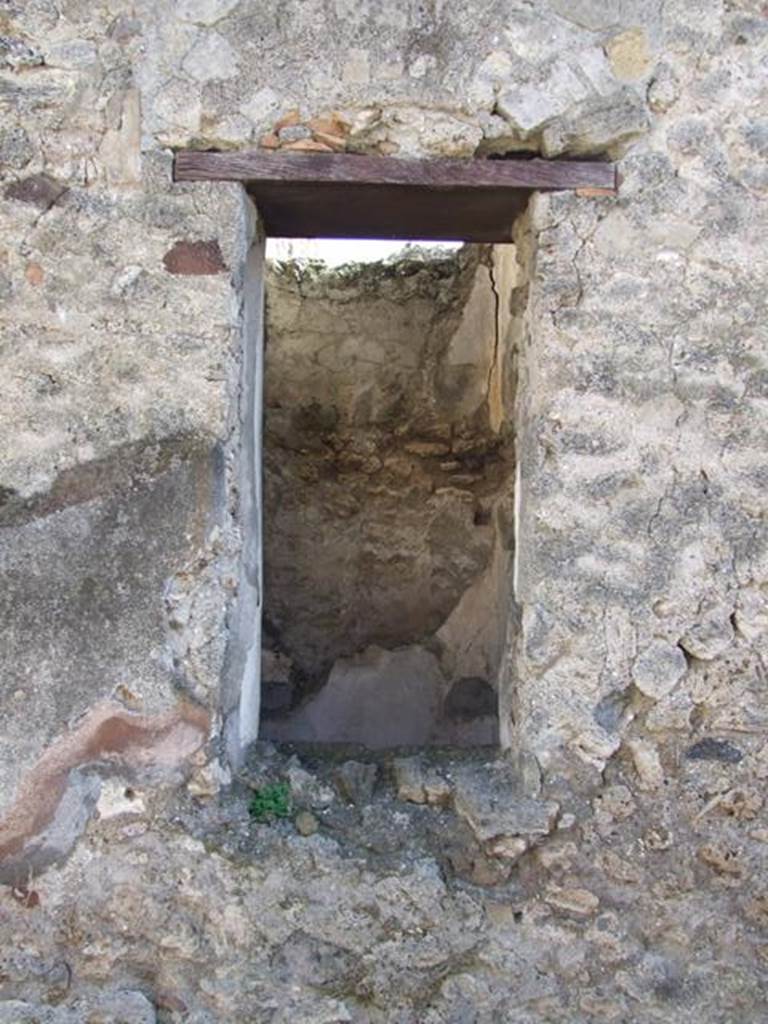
point(376, 211)
point(339, 195)
point(347, 169)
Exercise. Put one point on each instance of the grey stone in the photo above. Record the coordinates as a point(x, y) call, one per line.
point(294, 132)
point(73, 54)
point(658, 669)
point(611, 709)
point(418, 784)
point(488, 798)
point(710, 749)
point(597, 125)
point(17, 53)
point(355, 781)
point(16, 149)
point(709, 638)
point(210, 58)
point(204, 12)
point(663, 89)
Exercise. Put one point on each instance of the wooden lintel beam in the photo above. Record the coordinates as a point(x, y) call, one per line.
point(254, 166)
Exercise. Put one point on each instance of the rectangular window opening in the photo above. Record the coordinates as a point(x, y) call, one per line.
point(389, 476)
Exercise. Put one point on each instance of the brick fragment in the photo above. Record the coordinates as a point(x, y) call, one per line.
point(308, 146)
point(593, 193)
point(335, 142)
point(194, 258)
point(289, 118)
point(331, 124)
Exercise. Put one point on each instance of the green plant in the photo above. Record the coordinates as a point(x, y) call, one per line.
point(271, 801)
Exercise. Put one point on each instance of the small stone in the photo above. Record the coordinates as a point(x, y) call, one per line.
point(34, 274)
point(487, 799)
point(556, 856)
point(269, 141)
point(204, 783)
point(708, 639)
point(595, 193)
point(123, 28)
point(710, 749)
point(125, 281)
point(308, 146)
point(357, 70)
point(618, 868)
point(289, 118)
point(306, 823)
point(355, 781)
point(658, 838)
point(117, 799)
point(596, 124)
point(332, 125)
point(16, 149)
point(751, 616)
point(658, 669)
point(507, 847)
point(615, 802)
point(334, 142)
point(40, 190)
point(409, 779)
point(437, 789)
point(611, 709)
point(628, 54)
point(580, 902)
point(419, 785)
point(645, 758)
point(18, 54)
point(211, 58)
point(664, 89)
point(293, 133)
point(306, 788)
point(204, 12)
point(74, 54)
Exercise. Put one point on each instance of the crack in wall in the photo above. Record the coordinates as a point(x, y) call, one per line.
point(493, 369)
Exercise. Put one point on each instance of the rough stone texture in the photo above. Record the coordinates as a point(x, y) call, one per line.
point(647, 908)
point(640, 513)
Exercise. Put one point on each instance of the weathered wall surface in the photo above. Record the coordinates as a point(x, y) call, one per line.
point(641, 574)
point(643, 534)
point(122, 334)
point(388, 487)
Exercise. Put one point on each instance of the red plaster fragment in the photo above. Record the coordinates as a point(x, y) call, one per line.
point(34, 274)
point(194, 258)
point(107, 734)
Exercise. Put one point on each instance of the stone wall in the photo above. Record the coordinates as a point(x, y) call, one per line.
point(636, 655)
